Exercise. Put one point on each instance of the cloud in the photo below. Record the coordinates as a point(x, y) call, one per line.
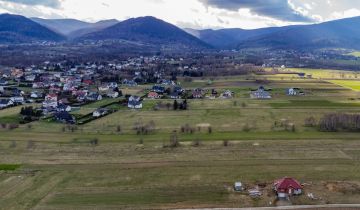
point(277, 9)
point(47, 3)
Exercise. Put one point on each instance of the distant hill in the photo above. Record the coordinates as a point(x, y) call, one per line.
point(147, 30)
point(228, 38)
point(94, 27)
point(73, 27)
point(15, 29)
point(63, 26)
point(344, 33)
point(150, 31)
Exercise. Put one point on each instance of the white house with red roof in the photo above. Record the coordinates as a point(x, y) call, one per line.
point(51, 100)
point(286, 187)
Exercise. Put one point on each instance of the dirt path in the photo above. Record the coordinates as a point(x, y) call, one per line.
point(314, 207)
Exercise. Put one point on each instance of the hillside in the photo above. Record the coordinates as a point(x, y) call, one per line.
point(148, 30)
point(63, 26)
point(72, 27)
point(15, 29)
point(228, 38)
point(94, 27)
point(344, 33)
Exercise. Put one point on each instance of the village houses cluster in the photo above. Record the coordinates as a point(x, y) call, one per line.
point(61, 87)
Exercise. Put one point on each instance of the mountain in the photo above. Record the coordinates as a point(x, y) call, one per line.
point(16, 29)
point(94, 27)
point(72, 27)
point(344, 33)
point(228, 38)
point(63, 26)
point(147, 30)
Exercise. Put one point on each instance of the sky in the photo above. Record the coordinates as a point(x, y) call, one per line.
point(198, 14)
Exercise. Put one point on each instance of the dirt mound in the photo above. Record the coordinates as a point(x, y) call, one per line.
point(344, 187)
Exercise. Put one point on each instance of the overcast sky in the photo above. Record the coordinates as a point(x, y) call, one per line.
point(191, 13)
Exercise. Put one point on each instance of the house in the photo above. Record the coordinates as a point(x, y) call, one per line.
point(100, 112)
point(198, 93)
point(51, 100)
point(175, 95)
point(3, 82)
point(112, 94)
point(103, 88)
point(35, 95)
point(178, 89)
point(30, 78)
point(64, 117)
point(227, 94)
point(261, 93)
point(129, 83)
point(4, 103)
point(18, 100)
point(113, 85)
point(88, 82)
point(135, 102)
point(94, 96)
point(63, 107)
point(294, 92)
point(70, 86)
point(153, 95)
point(158, 89)
point(51, 97)
point(286, 187)
point(38, 85)
point(80, 95)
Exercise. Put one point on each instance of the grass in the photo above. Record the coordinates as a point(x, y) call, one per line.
point(355, 54)
point(328, 74)
point(126, 175)
point(7, 167)
point(62, 170)
point(314, 104)
point(351, 84)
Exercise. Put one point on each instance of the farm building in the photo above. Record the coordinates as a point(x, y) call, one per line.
point(261, 93)
point(286, 187)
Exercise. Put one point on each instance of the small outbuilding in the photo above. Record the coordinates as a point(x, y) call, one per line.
point(238, 186)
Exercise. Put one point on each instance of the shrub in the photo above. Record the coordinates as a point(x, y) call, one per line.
point(310, 122)
point(340, 122)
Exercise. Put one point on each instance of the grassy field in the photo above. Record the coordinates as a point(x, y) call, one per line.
point(46, 166)
point(354, 85)
point(356, 54)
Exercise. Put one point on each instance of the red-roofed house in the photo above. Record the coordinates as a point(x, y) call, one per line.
point(287, 187)
point(153, 95)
